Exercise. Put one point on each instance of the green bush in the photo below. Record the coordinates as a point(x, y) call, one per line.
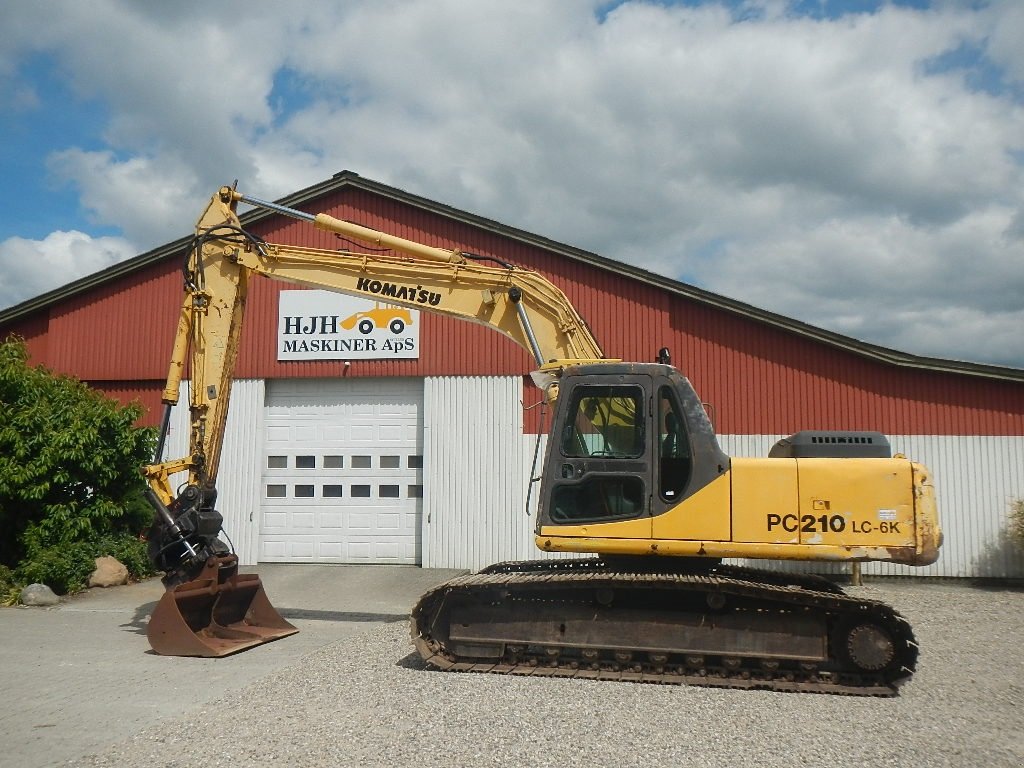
point(63, 569)
point(9, 587)
point(66, 569)
point(70, 485)
point(1017, 522)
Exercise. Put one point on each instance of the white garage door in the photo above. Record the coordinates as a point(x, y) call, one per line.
point(342, 471)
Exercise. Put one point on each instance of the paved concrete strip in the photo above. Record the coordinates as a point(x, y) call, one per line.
point(80, 676)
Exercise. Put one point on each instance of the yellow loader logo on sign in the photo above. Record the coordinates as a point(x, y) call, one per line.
point(395, 319)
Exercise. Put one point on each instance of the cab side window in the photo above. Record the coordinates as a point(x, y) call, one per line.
point(605, 421)
point(674, 455)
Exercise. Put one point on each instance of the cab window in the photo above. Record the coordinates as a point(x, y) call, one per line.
point(674, 456)
point(605, 421)
point(599, 498)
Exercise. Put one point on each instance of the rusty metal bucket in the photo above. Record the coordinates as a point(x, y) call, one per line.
point(218, 613)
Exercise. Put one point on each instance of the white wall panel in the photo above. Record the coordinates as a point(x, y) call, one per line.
point(477, 469)
point(481, 520)
point(976, 478)
point(238, 480)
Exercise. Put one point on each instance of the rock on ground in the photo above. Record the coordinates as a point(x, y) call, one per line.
point(109, 573)
point(38, 594)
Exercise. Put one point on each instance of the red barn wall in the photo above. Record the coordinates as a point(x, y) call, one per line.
point(758, 379)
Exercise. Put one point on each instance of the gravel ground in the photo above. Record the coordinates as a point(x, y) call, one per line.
point(375, 705)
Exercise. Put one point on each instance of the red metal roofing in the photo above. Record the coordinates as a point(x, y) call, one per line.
point(756, 378)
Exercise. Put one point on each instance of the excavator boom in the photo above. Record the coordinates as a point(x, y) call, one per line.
point(204, 588)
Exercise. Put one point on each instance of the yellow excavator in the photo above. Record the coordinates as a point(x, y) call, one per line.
point(633, 477)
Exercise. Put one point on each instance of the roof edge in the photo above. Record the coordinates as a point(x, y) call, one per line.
point(44, 300)
point(848, 343)
point(347, 178)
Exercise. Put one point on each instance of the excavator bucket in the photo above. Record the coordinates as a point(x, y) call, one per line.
point(216, 614)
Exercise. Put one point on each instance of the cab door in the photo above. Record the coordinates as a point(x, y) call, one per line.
point(691, 498)
point(598, 469)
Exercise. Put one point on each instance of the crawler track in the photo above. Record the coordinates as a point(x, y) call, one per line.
point(722, 626)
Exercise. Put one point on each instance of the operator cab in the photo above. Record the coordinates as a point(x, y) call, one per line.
point(628, 440)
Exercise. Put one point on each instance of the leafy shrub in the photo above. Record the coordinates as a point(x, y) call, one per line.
point(63, 569)
point(1017, 522)
point(9, 587)
point(69, 474)
point(66, 569)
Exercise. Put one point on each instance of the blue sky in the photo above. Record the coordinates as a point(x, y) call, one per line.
point(856, 164)
point(33, 202)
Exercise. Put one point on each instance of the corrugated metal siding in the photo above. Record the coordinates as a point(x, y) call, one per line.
point(35, 331)
point(241, 467)
point(477, 469)
point(762, 380)
point(475, 491)
point(176, 445)
point(473, 477)
point(121, 331)
point(976, 478)
point(145, 393)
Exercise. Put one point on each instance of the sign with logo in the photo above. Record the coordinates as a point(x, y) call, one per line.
point(323, 325)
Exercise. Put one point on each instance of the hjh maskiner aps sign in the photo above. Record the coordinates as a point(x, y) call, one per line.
point(323, 325)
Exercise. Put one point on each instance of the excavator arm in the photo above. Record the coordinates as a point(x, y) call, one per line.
point(518, 303)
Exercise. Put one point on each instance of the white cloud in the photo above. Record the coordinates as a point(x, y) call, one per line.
point(31, 267)
point(1004, 38)
point(822, 169)
point(144, 196)
point(952, 291)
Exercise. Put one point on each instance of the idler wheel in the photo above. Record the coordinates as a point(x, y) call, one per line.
point(870, 647)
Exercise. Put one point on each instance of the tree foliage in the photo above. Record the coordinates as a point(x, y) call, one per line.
point(69, 467)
